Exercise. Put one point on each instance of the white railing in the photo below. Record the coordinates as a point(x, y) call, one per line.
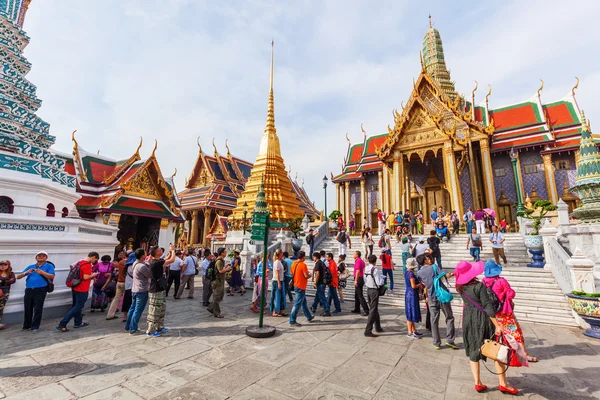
point(274, 246)
point(558, 264)
point(323, 232)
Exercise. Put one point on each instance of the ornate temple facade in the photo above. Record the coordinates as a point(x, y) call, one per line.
point(446, 150)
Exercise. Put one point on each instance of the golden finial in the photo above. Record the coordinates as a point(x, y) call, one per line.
point(575, 87)
point(473, 92)
point(487, 96)
point(137, 151)
point(155, 147)
point(402, 105)
point(421, 59)
point(296, 178)
point(584, 124)
point(331, 174)
point(430, 23)
point(215, 147)
point(540, 89)
point(271, 104)
point(174, 174)
point(75, 145)
point(227, 147)
point(290, 169)
point(302, 182)
point(363, 130)
point(199, 147)
point(348, 139)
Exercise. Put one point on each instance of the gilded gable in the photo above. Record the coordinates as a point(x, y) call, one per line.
point(143, 186)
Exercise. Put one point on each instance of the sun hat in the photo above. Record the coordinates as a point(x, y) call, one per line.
point(421, 239)
point(411, 263)
point(492, 269)
point(41, 252)
point(466, 271)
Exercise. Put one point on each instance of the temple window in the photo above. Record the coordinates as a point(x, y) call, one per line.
point(6, 205)
point(532, 168)
point(65, 212)
point(563, 164)
point(50, 211)
point(499, 172)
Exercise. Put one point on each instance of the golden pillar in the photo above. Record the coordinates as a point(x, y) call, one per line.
point(451, 178)
point(347, 210)
point(380, 189)
point(406, 188)
point(386, 189)
point(363, 198)
point(576, 157)
point(207, 213)
point(488, 177)
point(337, 197)
point(550, 179)
point(397, 182)
point(194, 227)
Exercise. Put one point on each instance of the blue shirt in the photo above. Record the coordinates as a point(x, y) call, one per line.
point(35, 280)
point(442, 231)
point(434, 215)
point(190, 263)
point(204, 266)
point(288, 267)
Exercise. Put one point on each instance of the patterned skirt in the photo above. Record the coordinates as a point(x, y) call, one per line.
point(405, 256)
point(99, 299)
point(156, 312)
point(511, 330)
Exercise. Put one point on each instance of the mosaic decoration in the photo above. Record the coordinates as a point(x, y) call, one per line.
point(90, 231)
point(31, 227)
point(506, 182)
point(465, 188)
point(354, 196)
point(537, 178)
point(22, 133)
point(562, 175)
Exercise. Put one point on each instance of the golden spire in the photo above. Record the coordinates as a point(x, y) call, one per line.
point(227, 147)
point(575, 87)
point(216, 153)
point(155, 147)
point(137, 151)
point(539, 92)
point(270, 142)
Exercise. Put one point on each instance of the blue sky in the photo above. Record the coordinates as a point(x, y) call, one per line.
point(174, 70)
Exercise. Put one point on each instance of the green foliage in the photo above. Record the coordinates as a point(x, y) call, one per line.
point(335, 214)
point(542, 207)
point(584, 294)
point(295, 226)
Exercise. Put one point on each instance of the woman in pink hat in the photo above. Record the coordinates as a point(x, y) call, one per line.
point(479, 321)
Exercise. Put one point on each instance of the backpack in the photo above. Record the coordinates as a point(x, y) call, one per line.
point(341, 237)
point(434, 246)
point(74, 278)
point(310, 238)
point(497, 305)
point(442, 294)
point(380, 289)
point(381, 241)
point(327, 278)
point(211, 271)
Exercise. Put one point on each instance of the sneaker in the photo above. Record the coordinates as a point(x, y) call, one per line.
point(370, 334)
point(134, 332)
point(164, 329)
point(326, 314)
point(155, 334)
point(355, 311)
point(34, 330)
point(452, 346)
point(436, 347)
point(312, 320)
point(342, 301)
point(419, 334)
point(412, 336)
point(295, 324)
point(365, 314)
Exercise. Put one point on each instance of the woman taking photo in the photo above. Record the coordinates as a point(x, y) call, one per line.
point(479, 322)
point(367, 240)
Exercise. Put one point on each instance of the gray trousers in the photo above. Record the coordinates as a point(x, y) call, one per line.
point(434, 312)
point(206, 291)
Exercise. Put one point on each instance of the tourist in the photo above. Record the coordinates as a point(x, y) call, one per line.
point(287, 263)
point(420, 248)
point(206, 284)
point(506, 317)
point(426, 274)
point(373, 281)
point(310, 240)
point(405, 250)
point(7, 278)
point(385, 242)
point(39, 276)
point(380, 222)
point(340, 221)
point(476, 244)
point(236, 275)
point(188, 274)
point(333, 285)
point(442, 233)
point(258, 282)
point(387, 267)
point(277, 304)
point(412, 310)
point(174, 275)
point(468, 218)
point(121, 269)
point(343, 241)
point(433, 216)
point(128, 296)
point(86, 274)
point(139, 291)
point(155, 320)
point(367, 241)
point(413, 224)
point(320, 286)
point(110, 287)
point(455, 222)
point(352, 225)
point(218, 285)
point(479, 216)
point(479, 322)
point(497, 240)
point(434, 244)
point(359, 282)
point(103, 270)
point(343, 274)
point(503, 225)
point(406, 234)
point(391, 222)
point(420, 222)
point(365, 222)
point(490, 221)
point(300, 275)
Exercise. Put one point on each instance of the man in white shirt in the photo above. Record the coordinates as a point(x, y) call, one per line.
point(174, 273)
point(188, 273)
point(497, 241)
point(344, 241)
point(373, 280)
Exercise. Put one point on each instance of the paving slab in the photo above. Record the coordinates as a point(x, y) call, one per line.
point(53, 391)
point(113, 393)
point(296, 379)
point(360, 375)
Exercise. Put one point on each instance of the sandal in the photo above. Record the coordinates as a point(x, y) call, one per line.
point(531, 359)
point(276, 315)
point(219, 316)
point(62, 328)
point(82, 325)
point(230, 294)
point(283, 314)
point(115, 317)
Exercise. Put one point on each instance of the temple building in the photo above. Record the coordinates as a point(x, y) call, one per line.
point(446, 150)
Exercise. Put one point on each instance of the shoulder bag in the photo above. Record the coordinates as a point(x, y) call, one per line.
point(291, 284)
point(475, 242)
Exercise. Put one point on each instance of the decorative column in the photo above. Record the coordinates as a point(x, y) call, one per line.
point(380, 189)
point(340, 199)
point(486, 166)
point(363, 198)
point(397, 181)
point(548, 233)
point(386, 189)
point(207, 213)
point(347, 210)
point(194, 228)
point(406, 186)
point(550, 179)
point(451, 176)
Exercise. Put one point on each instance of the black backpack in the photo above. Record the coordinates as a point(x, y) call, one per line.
point(327, 278)
point(434, 246)
point(497, 305)
point(211, 271)
point(341, 237)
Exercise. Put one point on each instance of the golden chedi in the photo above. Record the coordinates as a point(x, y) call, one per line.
point(269, 169)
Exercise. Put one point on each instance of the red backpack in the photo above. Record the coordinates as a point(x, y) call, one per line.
point(74, 277)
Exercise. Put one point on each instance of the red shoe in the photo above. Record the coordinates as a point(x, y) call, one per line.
point(506, 390)
point(481, 388)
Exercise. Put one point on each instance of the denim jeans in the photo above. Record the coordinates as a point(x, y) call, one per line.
point(438, 260)
point(475, 252)
point(138, 303)
point(388, 272)
point(287, 281)
point(300, 302)
point(470, 227)
point(333, 296)
point(75, 311)
point(312, 249)
point(277, 297)
point(320, 298)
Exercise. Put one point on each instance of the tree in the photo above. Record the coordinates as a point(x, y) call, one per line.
point(541, 207)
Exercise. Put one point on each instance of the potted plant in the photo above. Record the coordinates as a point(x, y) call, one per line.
point(587, 306)
point(533, 241)
point(333, 217)
point(295, 227)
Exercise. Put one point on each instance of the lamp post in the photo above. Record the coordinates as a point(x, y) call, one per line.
point(245, 215)
point(514, 156)
point(325, 190)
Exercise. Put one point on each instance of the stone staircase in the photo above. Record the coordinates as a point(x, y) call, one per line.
point(538, 298)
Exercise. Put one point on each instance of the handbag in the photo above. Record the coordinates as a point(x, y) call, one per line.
point(291, 284)
point(50, 287)
point(111, 289)
point(475, 242)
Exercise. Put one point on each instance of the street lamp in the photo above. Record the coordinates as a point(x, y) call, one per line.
point(325, 190)
point(514, 156)
point(245, 214)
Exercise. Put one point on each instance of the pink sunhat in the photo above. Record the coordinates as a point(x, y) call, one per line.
point(466, 271)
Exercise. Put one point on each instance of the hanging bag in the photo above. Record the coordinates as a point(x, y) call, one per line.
point(291, 284)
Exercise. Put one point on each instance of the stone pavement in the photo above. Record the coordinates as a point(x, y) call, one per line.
point(206, 358)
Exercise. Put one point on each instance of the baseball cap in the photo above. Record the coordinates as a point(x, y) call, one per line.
point(41, 252)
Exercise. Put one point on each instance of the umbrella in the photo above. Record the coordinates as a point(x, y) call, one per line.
point(490, 212)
